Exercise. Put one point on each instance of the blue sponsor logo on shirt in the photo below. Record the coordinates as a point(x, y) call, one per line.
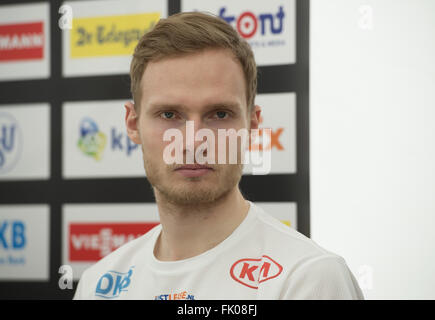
point(113, 283)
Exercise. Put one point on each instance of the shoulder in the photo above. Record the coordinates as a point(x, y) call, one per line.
point(324, 277)
point(120, 261)
point(280, 238)
point(312, 271)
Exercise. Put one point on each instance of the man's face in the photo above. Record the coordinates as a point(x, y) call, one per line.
point(207, 88)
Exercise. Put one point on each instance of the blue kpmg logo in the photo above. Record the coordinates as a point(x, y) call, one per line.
point(10, 142)
point(12, 241)
point(120, 141)
point(93, 141)
point(113, 283)
point(248, 24)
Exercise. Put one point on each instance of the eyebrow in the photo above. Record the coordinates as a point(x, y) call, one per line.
point(217, 105)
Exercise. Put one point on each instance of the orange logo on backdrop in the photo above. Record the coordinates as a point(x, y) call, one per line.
point(274, 140)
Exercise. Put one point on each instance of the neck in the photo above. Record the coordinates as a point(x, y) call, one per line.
point(188, 231)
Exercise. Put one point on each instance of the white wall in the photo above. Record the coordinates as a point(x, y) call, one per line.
point(372, 141)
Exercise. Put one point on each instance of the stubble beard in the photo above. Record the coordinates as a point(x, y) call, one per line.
point(196, 192)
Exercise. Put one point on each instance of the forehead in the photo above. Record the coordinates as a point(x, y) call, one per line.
point(195, 79)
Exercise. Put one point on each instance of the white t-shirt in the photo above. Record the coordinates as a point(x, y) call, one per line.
point(261, 259)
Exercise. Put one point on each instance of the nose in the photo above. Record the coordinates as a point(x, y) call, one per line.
point(191, 145)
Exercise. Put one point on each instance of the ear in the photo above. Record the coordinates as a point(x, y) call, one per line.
point(255, 117)
point(131, 119)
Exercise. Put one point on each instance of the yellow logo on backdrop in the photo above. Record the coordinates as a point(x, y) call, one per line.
point(286, 222)
point(109, 35)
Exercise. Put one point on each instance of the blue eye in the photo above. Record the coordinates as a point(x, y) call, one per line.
point(168, 115)
point(221, 114)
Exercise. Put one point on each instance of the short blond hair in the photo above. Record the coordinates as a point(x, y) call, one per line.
point(189, 32)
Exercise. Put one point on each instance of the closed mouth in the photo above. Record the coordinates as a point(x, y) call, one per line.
point(193, 167)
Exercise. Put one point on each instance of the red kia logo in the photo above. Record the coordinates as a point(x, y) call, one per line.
point(251, 272)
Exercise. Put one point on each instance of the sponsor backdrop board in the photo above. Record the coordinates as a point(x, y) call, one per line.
point(24, 249)
point(104, 34)
point(25, 142)
point(268, 26)
point(95, 142)
point(91, 231)
point(72, 185)
point(25, 41)
point(278, 113)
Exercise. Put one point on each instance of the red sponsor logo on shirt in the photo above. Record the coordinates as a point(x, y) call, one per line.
point(92, 241)
point(251, 272)
point(22, 41)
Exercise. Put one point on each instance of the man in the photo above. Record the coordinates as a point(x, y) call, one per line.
point(193, 68)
